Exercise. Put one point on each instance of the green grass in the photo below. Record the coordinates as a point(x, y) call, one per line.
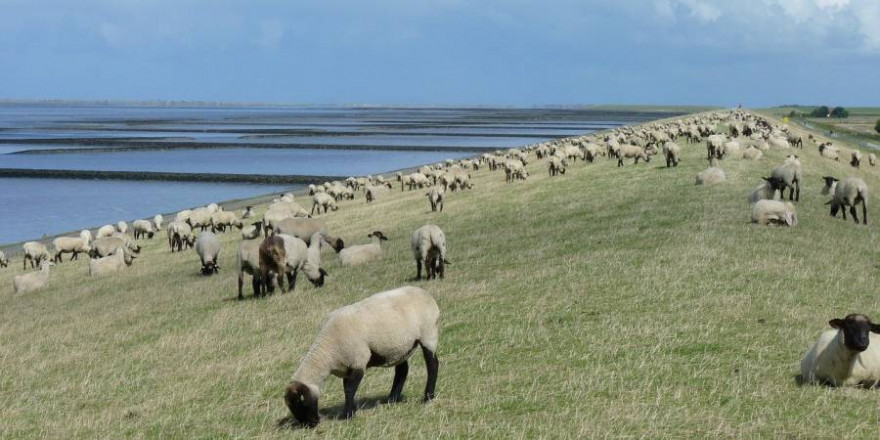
point(610, 302)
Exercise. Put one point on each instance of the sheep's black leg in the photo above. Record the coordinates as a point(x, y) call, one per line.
point(843, 211)
point(441, 268)
point(433, 364)
point(419, 269)
point(864, 212)
point(350, 385)
point(429, 269)
point(400, 373)
point(240, 282)
point(291, 280)
point(256, 282)
point(852, 210)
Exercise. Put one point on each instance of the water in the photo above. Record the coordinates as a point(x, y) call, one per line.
point(31, 208)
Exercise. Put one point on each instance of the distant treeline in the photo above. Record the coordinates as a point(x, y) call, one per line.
point(820, 112)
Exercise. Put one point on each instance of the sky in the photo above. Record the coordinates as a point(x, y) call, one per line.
point(445, 52)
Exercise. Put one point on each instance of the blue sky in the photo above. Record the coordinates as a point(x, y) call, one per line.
point(445, 52)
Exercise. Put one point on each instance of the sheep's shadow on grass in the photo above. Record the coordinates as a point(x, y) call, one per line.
point(335, 412)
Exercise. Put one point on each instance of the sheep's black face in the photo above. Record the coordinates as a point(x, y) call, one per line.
point(856, 330)
point(303, 404)
point(774, 182)
point(319, 282)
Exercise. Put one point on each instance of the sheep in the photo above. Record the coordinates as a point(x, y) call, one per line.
point(248, 212)
point(69, 245)
point(35, 252)
point(788, 175)
point(848, 355)
point(382, 330)
point(557, 166)
point(208, 249)
point(221, 220)
point(285, 254)
point(514, 170)
point(715, 147)
point(201, 218)
point(632, 151)
point(872, 159)
point(252, 231)
point(183, 216)
point(111, 263)
point(213, 207)
point(752, 153)
point(592, 151)
point(180, 235)
point(4, 262)
point(856, 159)
point(122, 227)
point(105, 231)
point(33, 281)
point(372, 193)
point(86, 235)
point(106, 246)
point(461, 181)
point(248, 262)
point(305, 229)
point(764, 192)
point(850, 192)
point(673, 154)
point(141, 228)
point(435, 198)
point(429, 246)
point(711, 175)
point(776, 212)
point(272, 259)
point(322, 200)
point(829, 151)
point(360, 254)
point(157, 221)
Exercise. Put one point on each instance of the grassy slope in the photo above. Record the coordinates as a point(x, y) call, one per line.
point(608, 302)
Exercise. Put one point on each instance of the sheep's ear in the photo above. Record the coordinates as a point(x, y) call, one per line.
point(323, 272)
point(836, 323)
point(875, 328)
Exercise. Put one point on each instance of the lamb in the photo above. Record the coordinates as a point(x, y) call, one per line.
point(856, 159)
point(105, 231)
point(360, 254)
point(788, 175)
point(435, 198)
point(372, 193)
point(305, 229)
point(557, 166)
point(848, 355)
point(632, 151)
point(180, 235)
point(253, 231)
point(122, 227)
point(35, 252)
point(752, 153)
point(157, 221)
point(69, 245)
point(850, 192)
point(711, 175)
point(208, 249)
point(673, 154)
point(33, 281)
point(767, 212)
point(872, 159)
point(323, 200)
point(248, 262)
point(429, 247)
point(141, 228)
point(248, 212)
point(111, 263)
point(382, 330)
point(4, 262)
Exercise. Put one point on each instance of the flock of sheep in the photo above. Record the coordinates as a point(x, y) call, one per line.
point(386, 328)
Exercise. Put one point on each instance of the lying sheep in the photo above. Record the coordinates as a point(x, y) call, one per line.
point(122, 227)
point(711, 175)
point(435, 198)
point(849, 193)
point(382, 330)
point(848, 355)
point(252, 231)
point(673, 154)
point(208, 249)
point(764, 191)
point(364, 253)
point(557, 166)
point(788, 175)
point(4, 262)
point(69, 245)
point(305, 229)
point(248, 212)
point(105, 231)
point(33, 281)
point(35, 252)
point(774, 212)
point(632, 152)
point(157, 221)
point(141, 228)
point(429, 248)
point(323, 200)
point(248, 262)
point(180, 236)
point(752, 153)
point(109, 264)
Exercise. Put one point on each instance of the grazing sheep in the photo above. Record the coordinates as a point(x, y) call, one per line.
point(292, 256)
point(180, 235)
point(141, 228)
point(856, 159)
point(4, 262)
point(592, 151)
point(372, 193)
point(305, 229)
point(872, 159)
point(514, 170)
point(248, 262)
point(429, 247)
point(323, 200)
point(849, 193)
point(364, 253)
point(105, 231)
point(33, 281)
point(673, 154)
point(69, 245)
point(157, 221)
point(752, 153)
point(711, 175)
point(122, 227)
point(221, 220)
point(382, 330)
point(107, 246)
point(208, 249)
point(111, 263)
point(201, 218)
point(252, 231)
point(183, 216)
point(273, 261)
point(774, 212)
point(632, 152)
point(715, 147)
point(35, 252)
point(557, 166)
point(788, 175)
point(849, 355)
point(435, 198)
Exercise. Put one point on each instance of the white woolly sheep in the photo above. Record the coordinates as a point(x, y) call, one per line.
point(201, 218)
point(248, 213)
point(158, 220)
point(382, 330)
point(856, 159)
point(429, 248)
point(673, 154)
point(787, 175)
point(514, 170)
point(35, 252)
point(33, 281)
point(4, 262)
point(141, 228)
point(225, 219)
point(371, 193)
point(180, 235)
point(122, 227)
point(307, 258)
point(364, 253)
point(752, 153)
point(848, 355)
point(322, 200)
point(248, 262)
point(69, 245)
point(208, 249)
point(435, 198)
point(634, 152)
point(306, 228)
point(253, 231)
point(183, 216)
point(107, 246)
point(872, 159)
point(849, 193)
point(105, 231)
point(774, 212)
point(111, 263)
point(86, 235)
point(557, 166)
point(829, 151)
point(711, 175)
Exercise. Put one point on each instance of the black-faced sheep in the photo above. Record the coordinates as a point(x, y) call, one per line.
point(429, 248)
point(208, 249)
point(848, 355)
point(849, 193)
point(360, 254)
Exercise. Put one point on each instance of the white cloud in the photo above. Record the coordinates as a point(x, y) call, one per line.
point(703, 11)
